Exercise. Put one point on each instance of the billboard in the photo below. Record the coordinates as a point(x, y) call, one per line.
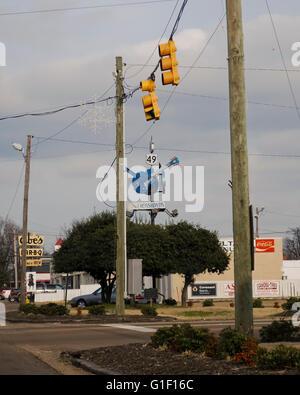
point(267, 288)
point(264, 245)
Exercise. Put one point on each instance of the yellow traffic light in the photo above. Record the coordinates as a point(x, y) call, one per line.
point(168, 61)
point(150, 102)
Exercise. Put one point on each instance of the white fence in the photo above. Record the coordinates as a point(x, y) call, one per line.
point(201, 290)
point(260, 289)
point(59, 295)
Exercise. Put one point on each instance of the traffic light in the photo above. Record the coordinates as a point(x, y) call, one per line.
point(150, 101)
point(168, 61)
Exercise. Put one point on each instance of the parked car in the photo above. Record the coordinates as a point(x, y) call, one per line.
point(5, 292)
point(93, 298)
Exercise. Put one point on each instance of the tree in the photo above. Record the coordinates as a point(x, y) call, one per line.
point(7, 230)
point(291, 246)
point(151, 244)
point(90, 246)
point(194, 250)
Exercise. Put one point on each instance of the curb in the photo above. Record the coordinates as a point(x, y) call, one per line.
point(89, 366)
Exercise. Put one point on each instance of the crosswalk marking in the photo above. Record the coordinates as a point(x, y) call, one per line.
point(131, 327)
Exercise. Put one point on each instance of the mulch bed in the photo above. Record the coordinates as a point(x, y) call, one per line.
point(143, 359)
point(15, 316)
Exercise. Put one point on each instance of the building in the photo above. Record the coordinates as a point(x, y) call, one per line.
point(269, 277)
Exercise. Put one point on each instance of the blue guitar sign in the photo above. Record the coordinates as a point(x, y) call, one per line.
point(146, 182)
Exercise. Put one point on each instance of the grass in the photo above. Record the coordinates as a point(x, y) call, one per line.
point(195, 313)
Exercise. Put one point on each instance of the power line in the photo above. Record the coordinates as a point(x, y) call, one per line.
point(174, 29)
point(140, 3)
point(50, 112)
point(186, 74)
point(16, 191)
point(282, 214)
point(226, 99)
point(283, 61)
point(223, 68)
point(155, 48)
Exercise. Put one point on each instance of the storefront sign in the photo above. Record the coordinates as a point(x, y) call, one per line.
point(32, 240)
point(227, 244)
point(204, 290)
point(264, 245)
point(34, 262)
point(267, 288)
point(229, 289)
point(33, 252)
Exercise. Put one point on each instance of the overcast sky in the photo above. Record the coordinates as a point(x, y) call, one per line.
point(68, 57)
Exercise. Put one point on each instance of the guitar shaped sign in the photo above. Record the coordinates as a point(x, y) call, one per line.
point(146, 182)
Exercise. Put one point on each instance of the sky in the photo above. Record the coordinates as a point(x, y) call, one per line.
point(56, 58)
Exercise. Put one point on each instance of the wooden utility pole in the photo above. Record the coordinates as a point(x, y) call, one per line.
point(25, 221)
point(239, 169)
point(121, 209)
point(16, 258)
point(258, 211)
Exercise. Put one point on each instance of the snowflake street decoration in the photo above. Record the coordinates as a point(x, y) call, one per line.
point(98, 116)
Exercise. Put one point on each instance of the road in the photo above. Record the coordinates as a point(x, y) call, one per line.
point(35, 348)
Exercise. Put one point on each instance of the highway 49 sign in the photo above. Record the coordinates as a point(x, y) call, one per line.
point(151, 159)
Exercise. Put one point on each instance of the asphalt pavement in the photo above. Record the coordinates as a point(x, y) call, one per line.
point(34, 349)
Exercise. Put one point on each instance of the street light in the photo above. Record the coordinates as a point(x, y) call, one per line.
point(19, 147)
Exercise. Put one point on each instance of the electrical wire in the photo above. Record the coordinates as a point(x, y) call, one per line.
point(221, 68)
point(140, 3)
point(174, 29)
point(155, 48)
point(183, 78)
point(50, 112)
point(283, 61)
point(226, 99)
point(16, 191)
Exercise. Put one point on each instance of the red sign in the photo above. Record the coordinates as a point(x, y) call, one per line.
point(265, 245)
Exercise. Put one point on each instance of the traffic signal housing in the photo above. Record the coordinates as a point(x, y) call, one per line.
point(150, 101)
point(168, 61)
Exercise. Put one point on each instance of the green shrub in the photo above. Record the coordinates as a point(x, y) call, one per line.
point(287, 306)
point(170, 302)
point(164, 336)
point(281, 357)
point(278, 331)
point(98, 309)
point(181, 338)
point(52, 309)
point(231, 341)
point(28, 308)
point(148, 310)
point(258, 303)
point(208, 303)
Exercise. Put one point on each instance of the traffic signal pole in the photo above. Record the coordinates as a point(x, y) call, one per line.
point(25, 221)
point(239, 169)
point(121, 209)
